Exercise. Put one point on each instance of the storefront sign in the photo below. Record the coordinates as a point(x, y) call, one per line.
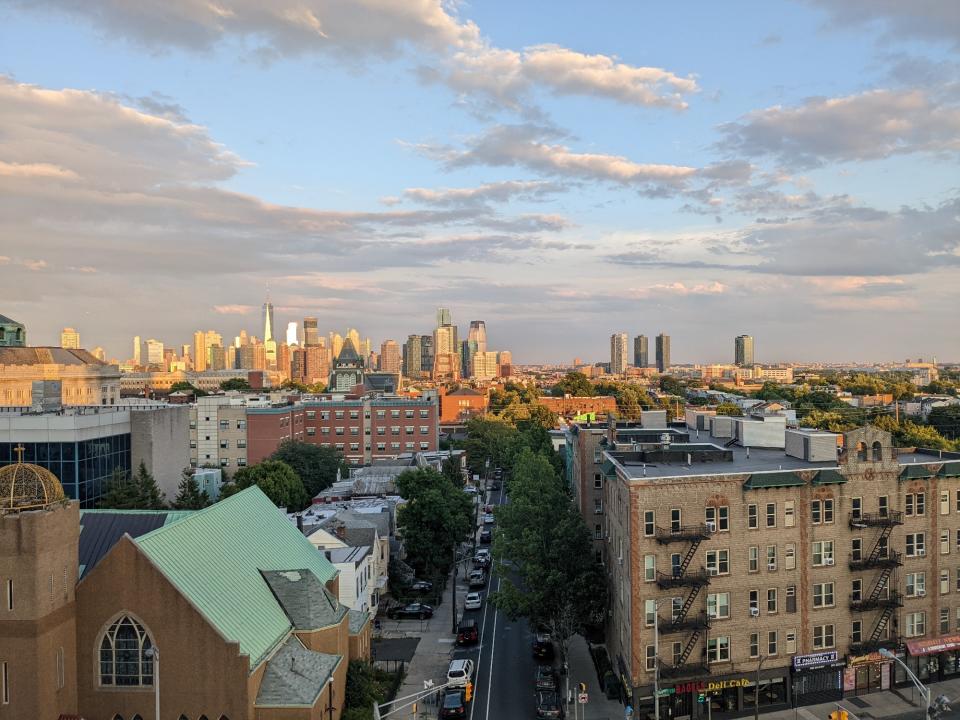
point(934, 645)
point(802, 662)
point(699, 686)
point(865, 659)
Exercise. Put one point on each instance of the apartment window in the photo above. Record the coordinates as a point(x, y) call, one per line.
point(856, 631)
point(394, 413)
point(193, 443)
point(771, 600)
point(224, 444)
point(790, 556)
point(718, 605)
point(958, 501)
point(753, 555)
point(856, 549)
point(771, 515)
point(338, 414)
point(945, 502)
point(856, 508)
point(597, 506)
point(916, 624)
point(677, 652)
point(381, 430)
point(883, 505)
point(957, 611)
point(789, 514)
point(394, 429)
point(354, 414)
point(354, 446)
point(651, 658)
point(828, 510)
point(241, 462)
point(754, 602)
point(394, 446)
point(944, 620)
point(772, 642)
point(771, 557)
point(649, 523)
point(311, 414)
point(718, 649)
point(718, 518)
point(408, 413)
point(718, 562)
point(60, 669)
point(944, 542)
point(791, 642)
point(338, 430)
point(823, 595)
point(675, 520)
point(944, 582)
point(914, 504)
point(424, 413)
point(354, 430)
point(856, 590)
point(598, 532)
point(224, 462)
point(408, 429)
point(822, 553)
point(752, 517)
point(381, 446)
point(649, 568)
point(791, 598)
point(916, 584)
point(916, 546)
point(816, 512)
point(424, 446)
point(754, 645)
point(243, 443)
point(650, 612)
point(823, 637)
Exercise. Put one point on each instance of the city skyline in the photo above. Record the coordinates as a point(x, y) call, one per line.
point(514, 163)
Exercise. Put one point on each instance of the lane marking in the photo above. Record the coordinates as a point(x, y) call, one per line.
point(493, 647)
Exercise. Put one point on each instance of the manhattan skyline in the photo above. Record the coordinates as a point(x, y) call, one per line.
point(787, 169)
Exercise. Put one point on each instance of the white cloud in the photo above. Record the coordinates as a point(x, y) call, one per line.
point(922, 19)
point(500, 192)
point(233, 309)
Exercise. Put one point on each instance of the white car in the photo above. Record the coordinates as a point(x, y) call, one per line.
point(474, 601)
point(460, 672)
point(488, 519)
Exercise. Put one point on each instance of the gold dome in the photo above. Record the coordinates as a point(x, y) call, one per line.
point(25, 487)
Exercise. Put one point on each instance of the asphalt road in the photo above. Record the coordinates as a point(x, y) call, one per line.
point(503, 680)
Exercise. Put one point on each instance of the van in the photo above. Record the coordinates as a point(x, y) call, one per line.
point(460, 672)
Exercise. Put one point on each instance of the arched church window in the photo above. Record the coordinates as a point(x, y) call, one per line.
point(126, 657)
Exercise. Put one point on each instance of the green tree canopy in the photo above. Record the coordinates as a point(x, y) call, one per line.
point(235, 384)
point(729, 409)
point(139, 492)
point(189, 495)
point(276, 479)
point(184, 386)
point(946, 421)
point(489, 439)
point(573, 383)
point(316, 466)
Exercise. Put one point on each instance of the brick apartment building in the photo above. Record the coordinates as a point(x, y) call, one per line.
point(458, 406)
point(803, 560)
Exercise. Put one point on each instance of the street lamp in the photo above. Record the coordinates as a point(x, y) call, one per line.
point(924, 691)
point(153, 653)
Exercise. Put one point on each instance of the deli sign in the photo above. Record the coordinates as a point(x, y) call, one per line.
point(802, 662)
point(700, 686)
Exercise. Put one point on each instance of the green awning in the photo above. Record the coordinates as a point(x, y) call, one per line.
point(915, 472)
point(776, 479)
point(829, 477)
point(608, 468)
point(950, 469)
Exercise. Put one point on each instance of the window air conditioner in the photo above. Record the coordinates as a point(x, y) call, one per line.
point(711, 527)
point(754, 612)
point(921, 552)
point(921, 593)
point(771, 566)
point(713, 571)
point(828, 561)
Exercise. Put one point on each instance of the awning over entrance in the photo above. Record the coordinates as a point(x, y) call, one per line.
point(933, 645)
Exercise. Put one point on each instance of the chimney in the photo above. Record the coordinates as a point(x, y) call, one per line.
point(340, 531)
point(327, 554)
point(300, 523)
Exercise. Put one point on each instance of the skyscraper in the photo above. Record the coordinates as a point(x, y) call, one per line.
point(336, 344)
point(412, 357)
point(641, 354)
point(618, 353)
point(468, 348)
point(267, 320)
point(389, 356)
point(743, 350)
point(444, 340)
point(292, 338)
point(663, 352)
point(70, 338)
point(443, 317)
point(310, 335)
point(154, 352)
point(427, 353)
point(137, 349)
point(478, 334)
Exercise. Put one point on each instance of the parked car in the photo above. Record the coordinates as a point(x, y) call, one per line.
point(413, 610)
point(482, 558)
point(488, 519)
point(453, 704)
point(549, 706)
point(488, 508)
point(486, 537)
point(467, 632)
point(495, 485)
point(470, 489)
point(543, 646)
point(474, 601)
point(546, 678)
point(421, 585)
point(460, 672)
point(477, 579)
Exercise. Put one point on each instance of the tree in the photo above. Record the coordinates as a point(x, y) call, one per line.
point(184, 386)
point(139, 492)
point(276, 479)
point(366, 685)
point(490, 440)
point(729, 409)
point(316, 466)
point(189, 495)
point(451, 470)
point(573, 383)
point(436, 517)
point(235, 384)
point(946, 420)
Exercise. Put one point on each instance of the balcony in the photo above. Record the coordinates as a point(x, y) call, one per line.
point(863, 604)
point(690, 669)
point(686, 533)
point(869, 646)
point(891, 560)
point(695, 622)
point(891, 518)
point(691, 578)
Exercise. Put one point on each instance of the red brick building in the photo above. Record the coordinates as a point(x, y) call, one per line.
point(363, 429)
point(460, 405)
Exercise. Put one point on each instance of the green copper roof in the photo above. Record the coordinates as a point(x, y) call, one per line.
point(214, 557)
point(829, 477)
point(776, 479)
point(912, 472)
point(950, 469)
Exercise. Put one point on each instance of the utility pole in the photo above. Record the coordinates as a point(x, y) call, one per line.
point(656, 661)
point(453, 592)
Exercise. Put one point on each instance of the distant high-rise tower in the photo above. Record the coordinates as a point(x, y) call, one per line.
point(444, 340)
point(443, 317)
point(389, 356)
point(427, 353)
point(478, 334)
point(154, 352)
point(618, 353)
point(743, 350)
point(70, 338)
point(99, 353)
point(412, 357)
point(663, 352)
point(310, 336)
point(641, 353)
point(336, 344)
point(268, 320)
point(137, 349)
point(292, 338)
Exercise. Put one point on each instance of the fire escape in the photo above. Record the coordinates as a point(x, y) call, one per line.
point(683, 620)
point(883, 595)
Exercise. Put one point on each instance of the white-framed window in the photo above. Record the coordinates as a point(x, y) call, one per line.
point(856, 508)
point(916, 624)
point(914, 504)
point(718, 649)
point(856, 589)
point(651, 661)
point(944, 542)
point(771, 558)
point(790, 556)
point(124, 659)
point(916, 545)
point(944, 620)
point(754, 645)
point(816, 512)
point(649, 523)
point(649, 568)
point(823, 595)
point(771, 600)
point(718, 605)
point(771, 642)
point(676, 520)
point(856, 631)
point(945, 502)
point(771, 515)
point(753, 601)
point(822, 553)
point(789, 514)
point(718, 562)
point(856, 549)
point(790, 639)
point(753, 558)
point(916, 584)
point(883, 505)
point(718, 517)
point(753, 521)
point(650, 612)
point(823, 637)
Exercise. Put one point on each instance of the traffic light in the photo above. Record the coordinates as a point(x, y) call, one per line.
point(838, 715)
point(469, 693)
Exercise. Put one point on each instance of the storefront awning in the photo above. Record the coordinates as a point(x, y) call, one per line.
point(933, 645)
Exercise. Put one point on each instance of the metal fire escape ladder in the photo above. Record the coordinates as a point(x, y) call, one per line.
point(881, 546)
point(881, 584)
point(687, 604)
point(691, 643)
point(688, 558)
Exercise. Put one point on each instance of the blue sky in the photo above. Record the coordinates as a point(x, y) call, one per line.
point(786, 169)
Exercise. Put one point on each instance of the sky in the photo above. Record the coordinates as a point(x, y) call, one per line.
point(563, 171)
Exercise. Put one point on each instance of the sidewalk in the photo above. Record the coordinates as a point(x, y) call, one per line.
point(582, 670)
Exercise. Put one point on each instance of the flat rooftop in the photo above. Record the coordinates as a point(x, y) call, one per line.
point(736, 461)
